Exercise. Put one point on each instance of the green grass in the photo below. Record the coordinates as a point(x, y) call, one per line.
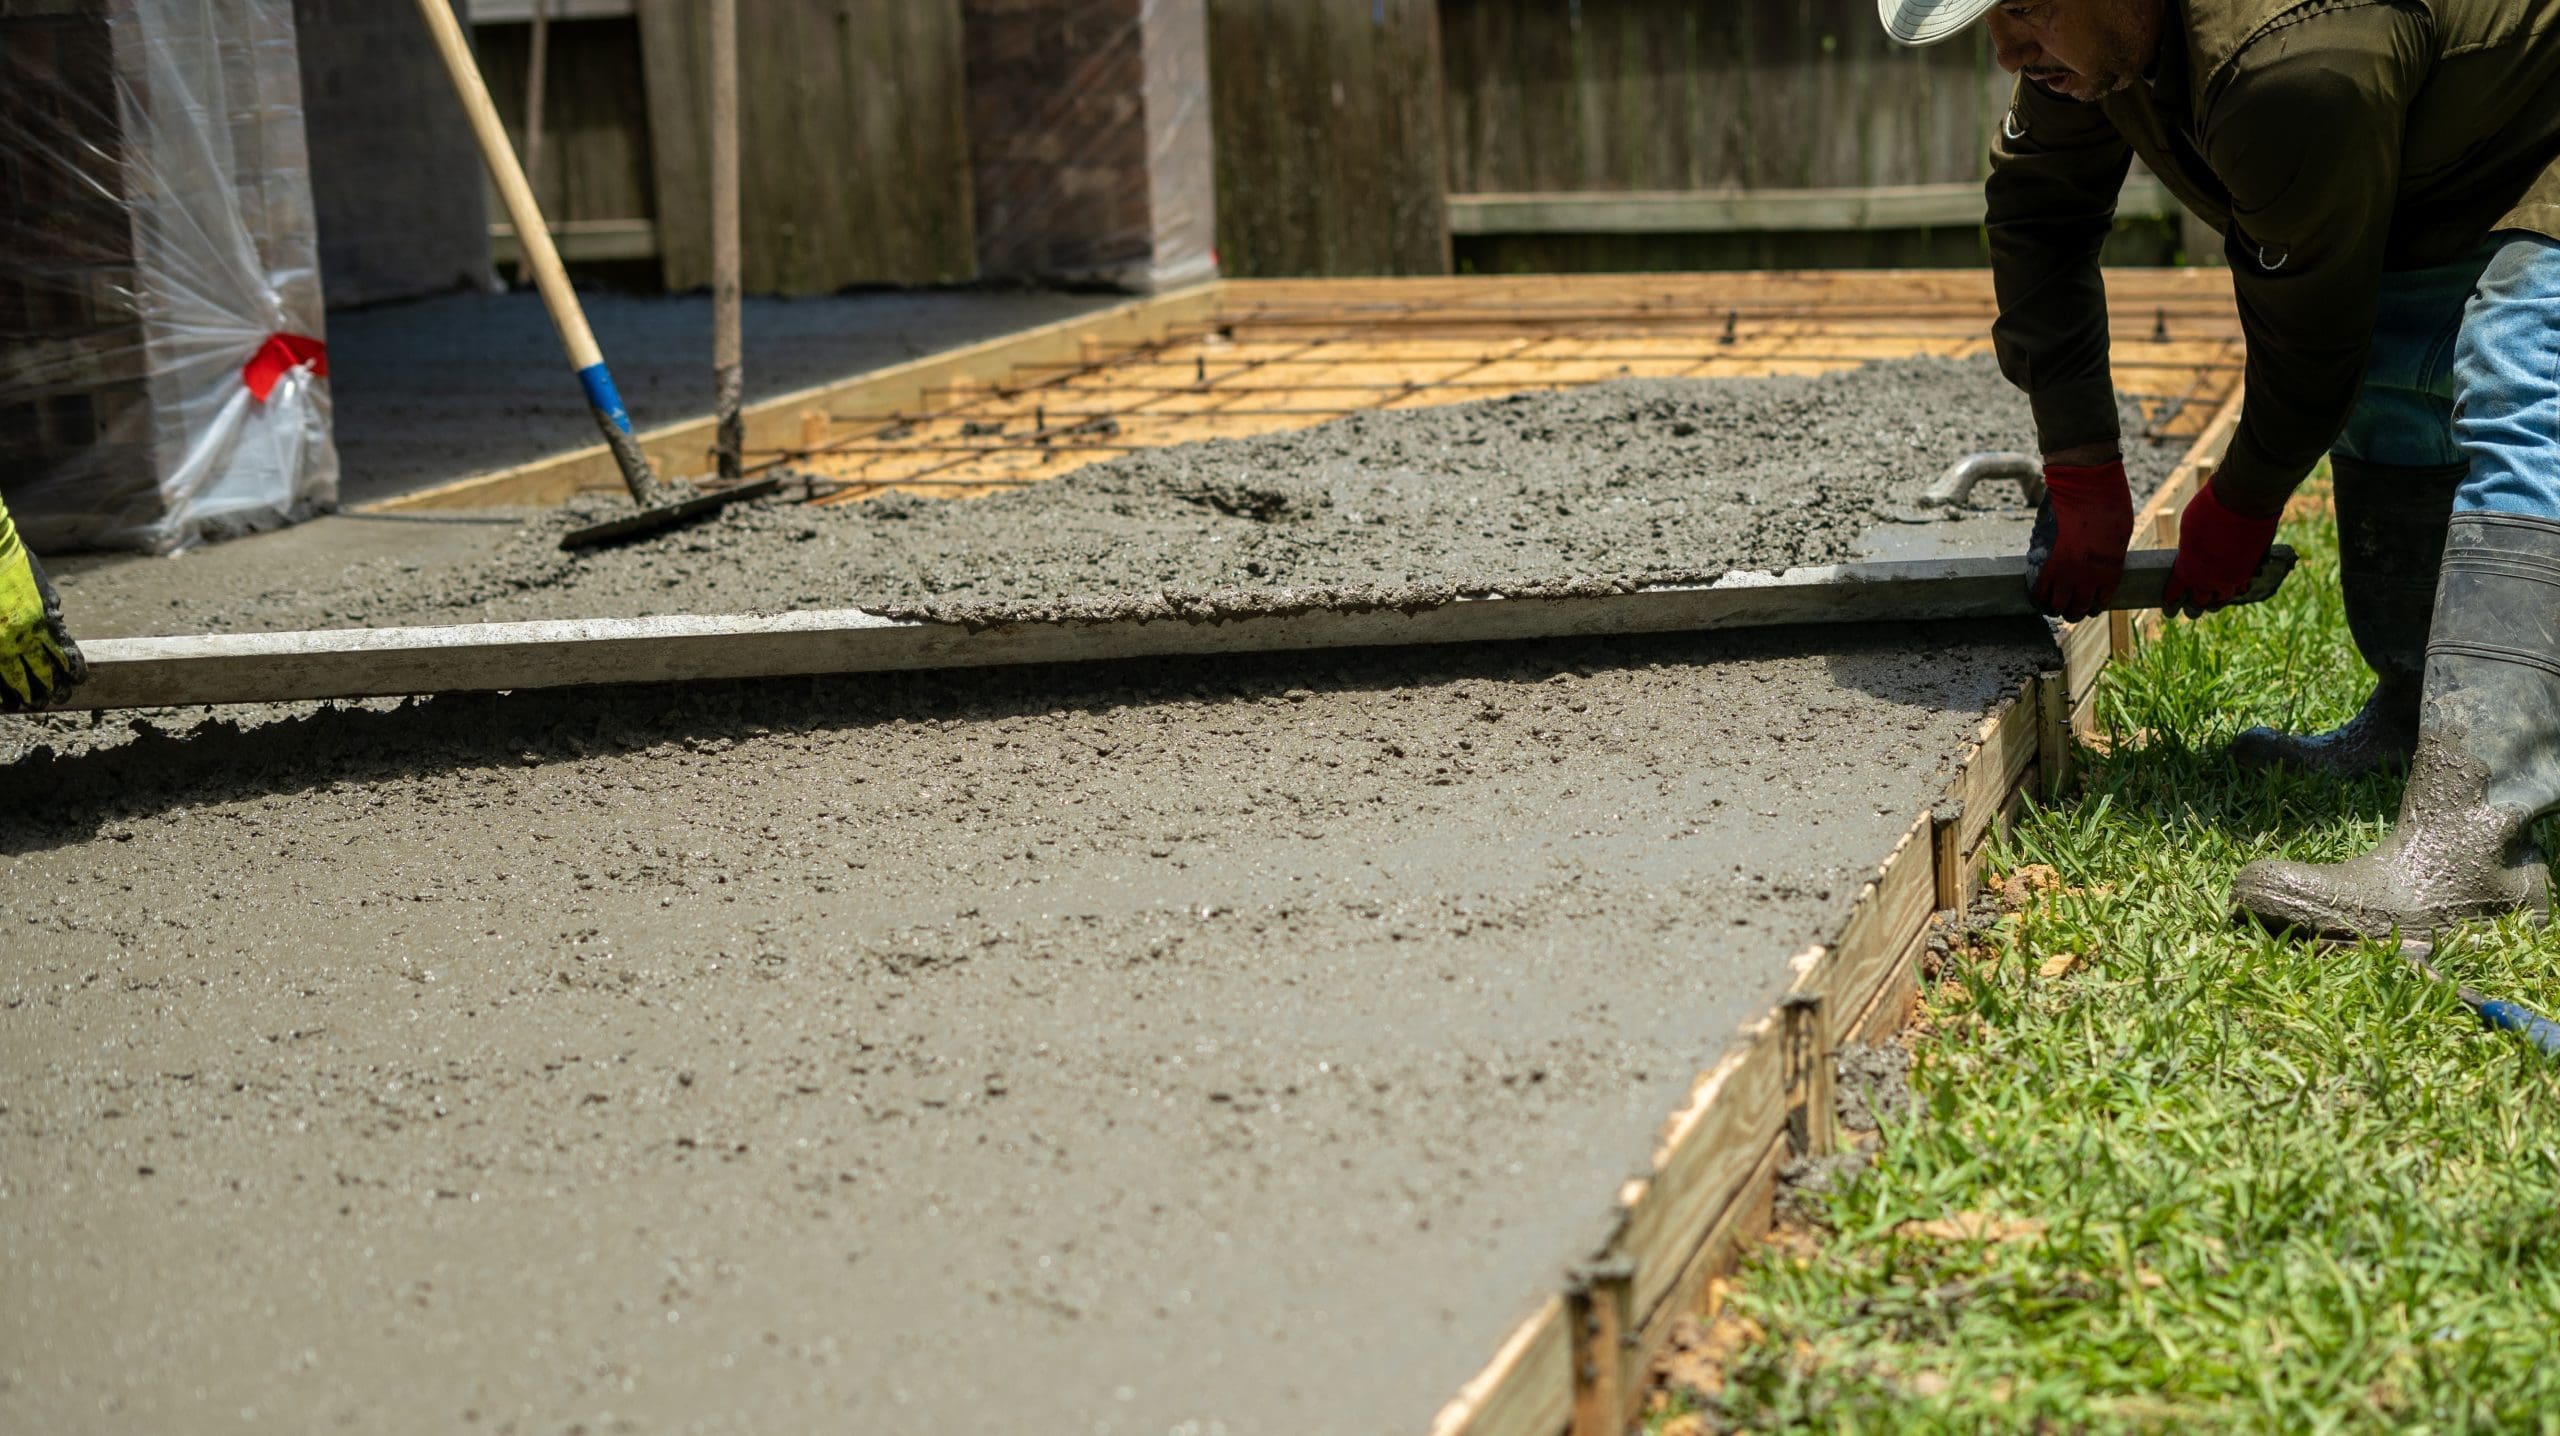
point(2280, 1188)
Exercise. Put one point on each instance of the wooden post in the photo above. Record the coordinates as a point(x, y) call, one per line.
point(1600, 1320)
point(728, 381)
point(1809, 1077)
point(539, 61)
point(2053, 730)
point(1946, 842)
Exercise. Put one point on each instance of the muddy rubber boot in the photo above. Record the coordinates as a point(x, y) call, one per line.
point(2391, 532)
point(2487, 763)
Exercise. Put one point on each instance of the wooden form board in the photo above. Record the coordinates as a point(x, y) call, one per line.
point(1247, 356)
point(1715, 1167)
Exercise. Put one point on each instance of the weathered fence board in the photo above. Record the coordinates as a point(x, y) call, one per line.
point(1639, 95)
point(1331, 157)
point(595, 124)
point(856, 153)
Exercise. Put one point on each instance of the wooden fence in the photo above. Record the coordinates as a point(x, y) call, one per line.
point(855, 162)
point(1353, 137)
point(1604, 135)
point(1330, 138)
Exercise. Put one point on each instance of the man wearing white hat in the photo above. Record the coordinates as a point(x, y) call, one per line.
point(2386, 178)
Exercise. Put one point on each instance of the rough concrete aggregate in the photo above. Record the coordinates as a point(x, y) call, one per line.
point(1246, 1044)
point(1614, 484)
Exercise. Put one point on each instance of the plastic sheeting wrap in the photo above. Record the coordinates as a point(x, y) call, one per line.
point(162, 372)
point(1092, 157)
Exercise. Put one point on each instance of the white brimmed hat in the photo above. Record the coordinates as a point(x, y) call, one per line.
point(1925, 22)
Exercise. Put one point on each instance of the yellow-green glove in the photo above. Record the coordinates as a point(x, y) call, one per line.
point(38, 661)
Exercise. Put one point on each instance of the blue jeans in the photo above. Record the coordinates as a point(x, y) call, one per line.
point(2466, 368)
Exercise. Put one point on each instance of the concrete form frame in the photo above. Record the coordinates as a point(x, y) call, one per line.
point(1577, 1364)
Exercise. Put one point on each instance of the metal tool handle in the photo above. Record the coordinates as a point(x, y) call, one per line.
point(539, 252)
point(1954, 488)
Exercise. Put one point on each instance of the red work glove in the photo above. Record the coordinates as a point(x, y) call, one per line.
point(2075, 558)
point(2218, 555)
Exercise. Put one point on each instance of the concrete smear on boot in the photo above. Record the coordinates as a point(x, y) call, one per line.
point(1251, 1041)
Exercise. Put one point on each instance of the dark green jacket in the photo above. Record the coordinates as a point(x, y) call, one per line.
point(2329, 142)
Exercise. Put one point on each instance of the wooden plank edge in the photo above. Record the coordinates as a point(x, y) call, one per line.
point(1870, 998)
point(2004, 749)
point(1526, 1390)
point(1754, 211)
point(774, 423)
point(2053, 733)
point(581, 240)
point(1894, 907)
point(1744, 1221)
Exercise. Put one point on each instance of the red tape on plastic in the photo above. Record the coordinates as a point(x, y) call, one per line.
point(279, 356)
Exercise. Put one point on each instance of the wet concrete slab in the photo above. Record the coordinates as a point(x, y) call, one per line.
point(1248, 1043)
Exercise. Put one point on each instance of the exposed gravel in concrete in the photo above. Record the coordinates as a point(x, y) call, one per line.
point(1248, 1043)
point(1627, 481)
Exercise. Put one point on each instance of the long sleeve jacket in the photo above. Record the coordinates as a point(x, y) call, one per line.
point(2329, 142)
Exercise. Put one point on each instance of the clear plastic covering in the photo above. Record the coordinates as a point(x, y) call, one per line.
point(163, 379)
point(1090, 141)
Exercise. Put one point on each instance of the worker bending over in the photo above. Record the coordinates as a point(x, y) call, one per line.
point(2386, 178)
point(38, 661)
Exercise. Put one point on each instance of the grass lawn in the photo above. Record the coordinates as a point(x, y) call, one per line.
point(2162, 1172)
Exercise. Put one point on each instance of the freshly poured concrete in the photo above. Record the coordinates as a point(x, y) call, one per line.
point(1248, 1044)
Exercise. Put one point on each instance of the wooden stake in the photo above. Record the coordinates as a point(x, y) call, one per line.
point(2053, 730)
point(540, 62)
point(1809, 1077)
point(728, 382)
point(1599, 1303)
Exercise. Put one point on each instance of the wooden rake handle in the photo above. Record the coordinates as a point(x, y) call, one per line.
point(541, 256)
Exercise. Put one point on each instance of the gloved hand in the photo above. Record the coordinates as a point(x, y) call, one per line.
point(2218, 554)
point(38, 661)
point(2075, 558)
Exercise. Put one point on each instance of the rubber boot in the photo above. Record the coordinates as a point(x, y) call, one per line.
point(2487, 762)
point(2391, 532)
